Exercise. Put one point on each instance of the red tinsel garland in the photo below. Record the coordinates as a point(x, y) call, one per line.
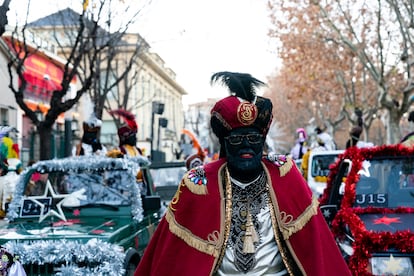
point(366, 241)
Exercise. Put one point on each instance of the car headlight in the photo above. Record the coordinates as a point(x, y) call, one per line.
point(391, 266)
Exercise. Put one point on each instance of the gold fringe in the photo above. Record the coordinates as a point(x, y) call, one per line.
point(282, 245)
point(225, 176)
point(195, 188)
point(210, 247)
point(285, 168)
point(290, 226)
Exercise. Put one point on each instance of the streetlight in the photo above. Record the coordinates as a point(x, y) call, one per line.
point(162, 123)
point(157, 108)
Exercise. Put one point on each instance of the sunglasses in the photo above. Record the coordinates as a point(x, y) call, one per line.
point(235, 140)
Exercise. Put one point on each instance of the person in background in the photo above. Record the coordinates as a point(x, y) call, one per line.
point(408, 140)
point(300, 147)
point(244, 214)
point(355, 133)
point(10, 167)
point(194, 160)
point(324, 142)
point(90, 144)
point(37, 184)
point(127, 133)
point(9, 150)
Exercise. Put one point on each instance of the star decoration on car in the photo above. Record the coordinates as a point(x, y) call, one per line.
point(393, 265)
point(365, 168)
point(326, 213)
point(51, 212)
point(387, 220)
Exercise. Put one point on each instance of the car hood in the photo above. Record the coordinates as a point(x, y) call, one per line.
point(71, 229)
point(388, 222)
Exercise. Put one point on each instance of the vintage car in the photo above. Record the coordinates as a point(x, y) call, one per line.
point(81, 216)
point(369, 205)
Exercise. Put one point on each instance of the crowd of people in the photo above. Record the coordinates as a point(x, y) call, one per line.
point(320, 140)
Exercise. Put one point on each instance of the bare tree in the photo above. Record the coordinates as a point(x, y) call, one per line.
point(385, 51)
point(377, 38)
point(323, 79)
point(4, 8)
point(117, 67)
point(82, 42)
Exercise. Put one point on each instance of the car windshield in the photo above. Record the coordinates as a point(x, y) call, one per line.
point(87, 187)
point(386, 183)
point(167, 176)
point(320, 164)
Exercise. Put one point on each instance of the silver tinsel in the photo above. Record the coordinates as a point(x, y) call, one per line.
point(107, 259)
point(110, 257)
point(81, 163)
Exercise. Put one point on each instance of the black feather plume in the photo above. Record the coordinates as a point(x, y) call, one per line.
point(240, 84)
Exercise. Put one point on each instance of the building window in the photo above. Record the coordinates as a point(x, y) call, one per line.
point(4, 116)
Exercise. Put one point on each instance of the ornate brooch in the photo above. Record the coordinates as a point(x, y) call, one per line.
point(196, 180)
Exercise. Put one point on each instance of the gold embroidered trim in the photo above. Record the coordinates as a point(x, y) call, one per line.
point(285, 168)
point(221, 119)
point(227, 212)
point(193, 187)
point(278, 239)
point(176, 197)
point(210, 246)
point(289, 226)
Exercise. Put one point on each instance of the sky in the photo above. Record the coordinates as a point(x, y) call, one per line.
point(198, 38)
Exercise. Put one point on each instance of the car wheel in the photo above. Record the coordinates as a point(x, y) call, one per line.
point(130, 269)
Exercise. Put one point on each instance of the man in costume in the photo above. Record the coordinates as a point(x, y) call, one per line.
point(194, 160)
point(90, 144)
point(300, 147)
point(243, 214)
point(127, 133)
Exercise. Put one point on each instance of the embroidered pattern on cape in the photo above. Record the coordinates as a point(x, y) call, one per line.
point(211, 246)
point(290, 226)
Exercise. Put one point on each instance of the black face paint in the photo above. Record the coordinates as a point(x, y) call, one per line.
point(89, 137)
point(131, 140)
point(244, 149)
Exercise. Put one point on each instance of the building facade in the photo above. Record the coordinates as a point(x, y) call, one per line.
point(149, 84)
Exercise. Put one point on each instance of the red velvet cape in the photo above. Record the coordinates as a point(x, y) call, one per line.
point(202, 215)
